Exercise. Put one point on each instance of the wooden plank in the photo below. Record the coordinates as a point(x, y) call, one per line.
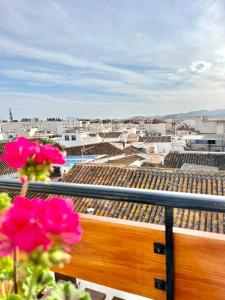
point(119, 254)
point(199, 265)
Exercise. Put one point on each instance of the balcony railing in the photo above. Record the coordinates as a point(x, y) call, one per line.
point(169, 200)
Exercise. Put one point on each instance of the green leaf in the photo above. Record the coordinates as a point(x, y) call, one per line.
point(14, 297)
point(64, 291)
point(40, 279)
point(5, 201)
point(6, 268)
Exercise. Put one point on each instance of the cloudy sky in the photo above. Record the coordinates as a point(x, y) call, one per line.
point(111, 58)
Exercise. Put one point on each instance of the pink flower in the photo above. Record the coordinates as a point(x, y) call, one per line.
point(21, 225)
point(49, 154)
point(32, 223)
point(16, 153)
point(60, 219)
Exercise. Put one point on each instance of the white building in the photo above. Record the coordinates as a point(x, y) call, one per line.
point(204, 125)
point(54, 126)
point(4, 137)
point(78, 138)
point(155, 144)
point(206, 142)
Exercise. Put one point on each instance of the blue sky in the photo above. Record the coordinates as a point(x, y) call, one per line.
point(111, 58)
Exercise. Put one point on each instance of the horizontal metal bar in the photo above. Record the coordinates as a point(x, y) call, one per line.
point(153, 197)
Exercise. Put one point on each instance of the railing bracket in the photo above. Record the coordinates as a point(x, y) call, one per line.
point(159, 248)
point(160, 284)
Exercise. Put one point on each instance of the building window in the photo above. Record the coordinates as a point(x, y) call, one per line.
point(211, 142)
point(67, 138)
point(73, 138)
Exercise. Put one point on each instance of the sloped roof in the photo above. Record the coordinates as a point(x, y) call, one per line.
point(94, 149)
point(131, 150)
point(156, 139)
point(4, 169)
point(176, 160)
point(156, 179)
point(109, 135)
point(126, 161)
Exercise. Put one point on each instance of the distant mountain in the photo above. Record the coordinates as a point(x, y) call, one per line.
point(218, 113)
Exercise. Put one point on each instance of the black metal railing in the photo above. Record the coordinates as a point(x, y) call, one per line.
point(167, 199)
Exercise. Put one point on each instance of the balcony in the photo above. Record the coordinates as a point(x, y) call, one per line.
point(155, 261)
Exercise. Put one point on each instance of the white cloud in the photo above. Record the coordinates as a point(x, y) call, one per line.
point(149, 52)
point(14, 48)
point(200, 66)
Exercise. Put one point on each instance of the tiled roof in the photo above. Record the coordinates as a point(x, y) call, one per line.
point(126, 161)
point(131, 150)
point(157, 179)
point(109, 135)
point(156, 139)
point(176, 160)
point(4, 169)
point(94, 149)
point(151, 165)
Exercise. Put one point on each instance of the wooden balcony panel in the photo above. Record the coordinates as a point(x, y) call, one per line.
point(119, 254)
point(199, 265)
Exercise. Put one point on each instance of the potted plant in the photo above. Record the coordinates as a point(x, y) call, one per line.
point(35, 234)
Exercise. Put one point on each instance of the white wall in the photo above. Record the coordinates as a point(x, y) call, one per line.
point(82, 138)
point(110, 293)
point(204, 126)
point(15, 127)
point(4, 137)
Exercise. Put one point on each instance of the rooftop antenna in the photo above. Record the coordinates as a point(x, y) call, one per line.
point(10, 115)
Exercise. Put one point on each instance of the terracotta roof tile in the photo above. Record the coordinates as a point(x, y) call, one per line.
point(155, 139)
point(94, 149)
point(4, 169)
point(176, 160)
point(158, 179)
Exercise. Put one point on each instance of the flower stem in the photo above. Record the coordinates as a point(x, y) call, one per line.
point(15, 271)
point(15, 275)
point(24, 190)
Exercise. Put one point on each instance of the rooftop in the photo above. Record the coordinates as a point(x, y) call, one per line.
point(127, 160)
point(131, 150)
point(154, 179)
point(94, 149)
point(156, 139)
point(176, 159)
point(109, 135)
point(4, 169)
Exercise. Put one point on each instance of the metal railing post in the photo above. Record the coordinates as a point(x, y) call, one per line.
point(169, 253)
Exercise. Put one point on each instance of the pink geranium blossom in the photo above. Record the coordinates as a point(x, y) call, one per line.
point(21, 225)
point(59, 219)
point(48, 153)
point(32, 223)
point(18, 153)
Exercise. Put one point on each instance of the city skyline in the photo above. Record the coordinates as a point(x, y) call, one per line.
point(111, 59)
